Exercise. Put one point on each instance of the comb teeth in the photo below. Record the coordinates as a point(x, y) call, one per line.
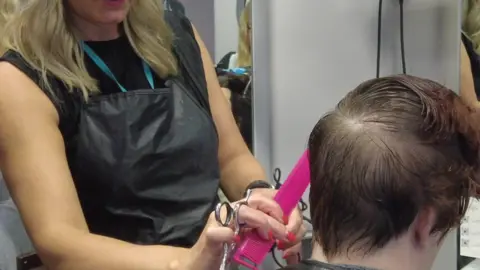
point(256, 247)
point(252, 251)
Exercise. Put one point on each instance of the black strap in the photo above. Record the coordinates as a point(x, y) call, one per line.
point(189, 56)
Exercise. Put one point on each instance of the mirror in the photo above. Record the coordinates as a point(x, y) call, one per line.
point(233, 57)
point(234, 63)
point(469, 232)
point(226, 29)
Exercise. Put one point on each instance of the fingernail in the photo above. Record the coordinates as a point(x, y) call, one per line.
point(286, 255)
point(270, 235)
point(237, 238)
point(285, 220)
point(291, 237)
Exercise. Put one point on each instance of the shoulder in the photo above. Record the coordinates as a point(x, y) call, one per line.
point(20, 83)
point(189, 54)
point(178, 22)
point(183, 30)
point(15, 74)
point(13, 62)
point(16, 61)
point(21, 99)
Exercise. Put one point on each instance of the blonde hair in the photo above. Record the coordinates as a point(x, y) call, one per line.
point(41, 32)
point(471, 22)
point(244, 51)
point(6, 9)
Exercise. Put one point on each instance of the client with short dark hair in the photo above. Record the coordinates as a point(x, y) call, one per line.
point(392, 170)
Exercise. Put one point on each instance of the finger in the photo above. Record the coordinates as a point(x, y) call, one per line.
point(295, 231)
point(292, 241)
point(267, 226)
point(292, 259)
point(292, 255)
point(295, 223)
point(300, 234)
point(266, 205)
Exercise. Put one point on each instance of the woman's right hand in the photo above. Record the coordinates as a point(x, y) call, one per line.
point(260, 213)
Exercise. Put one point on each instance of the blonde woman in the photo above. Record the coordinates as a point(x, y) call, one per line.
point(244, 51)
point(243, 56)
point(115, 136)
point(470, 49)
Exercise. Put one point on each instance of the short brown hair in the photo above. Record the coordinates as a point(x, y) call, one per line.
point(391, 147)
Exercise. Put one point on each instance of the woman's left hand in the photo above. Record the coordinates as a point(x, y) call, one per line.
point(294, 223)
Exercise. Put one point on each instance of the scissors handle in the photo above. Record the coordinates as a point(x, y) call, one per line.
point(229, 214)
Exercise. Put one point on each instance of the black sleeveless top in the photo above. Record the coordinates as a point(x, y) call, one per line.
point(151, 144)
point(125, 64)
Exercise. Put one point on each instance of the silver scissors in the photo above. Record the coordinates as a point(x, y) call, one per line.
point(231, 215)
point(225, 222)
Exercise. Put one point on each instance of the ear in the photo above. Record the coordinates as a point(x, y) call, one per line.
point(423, 225)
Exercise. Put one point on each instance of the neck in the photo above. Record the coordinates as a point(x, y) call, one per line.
point(397, 255)
point(96, 32)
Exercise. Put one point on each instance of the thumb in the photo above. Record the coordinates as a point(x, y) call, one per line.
point(207, 253)
point(216, 236)
point(212, 246)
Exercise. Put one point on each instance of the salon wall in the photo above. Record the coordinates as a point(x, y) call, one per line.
point(308, 54)
point(226, 27)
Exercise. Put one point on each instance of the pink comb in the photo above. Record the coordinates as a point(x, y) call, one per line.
point(253, 249)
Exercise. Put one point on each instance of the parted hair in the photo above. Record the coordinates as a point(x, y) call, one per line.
point(392, 147)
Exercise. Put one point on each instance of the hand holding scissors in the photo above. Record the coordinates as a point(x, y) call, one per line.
point(256, 212)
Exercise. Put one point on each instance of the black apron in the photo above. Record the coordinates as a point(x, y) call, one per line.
point(145, 162)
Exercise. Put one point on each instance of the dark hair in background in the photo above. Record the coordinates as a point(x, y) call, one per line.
point(240, 87)
point(392, 147)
